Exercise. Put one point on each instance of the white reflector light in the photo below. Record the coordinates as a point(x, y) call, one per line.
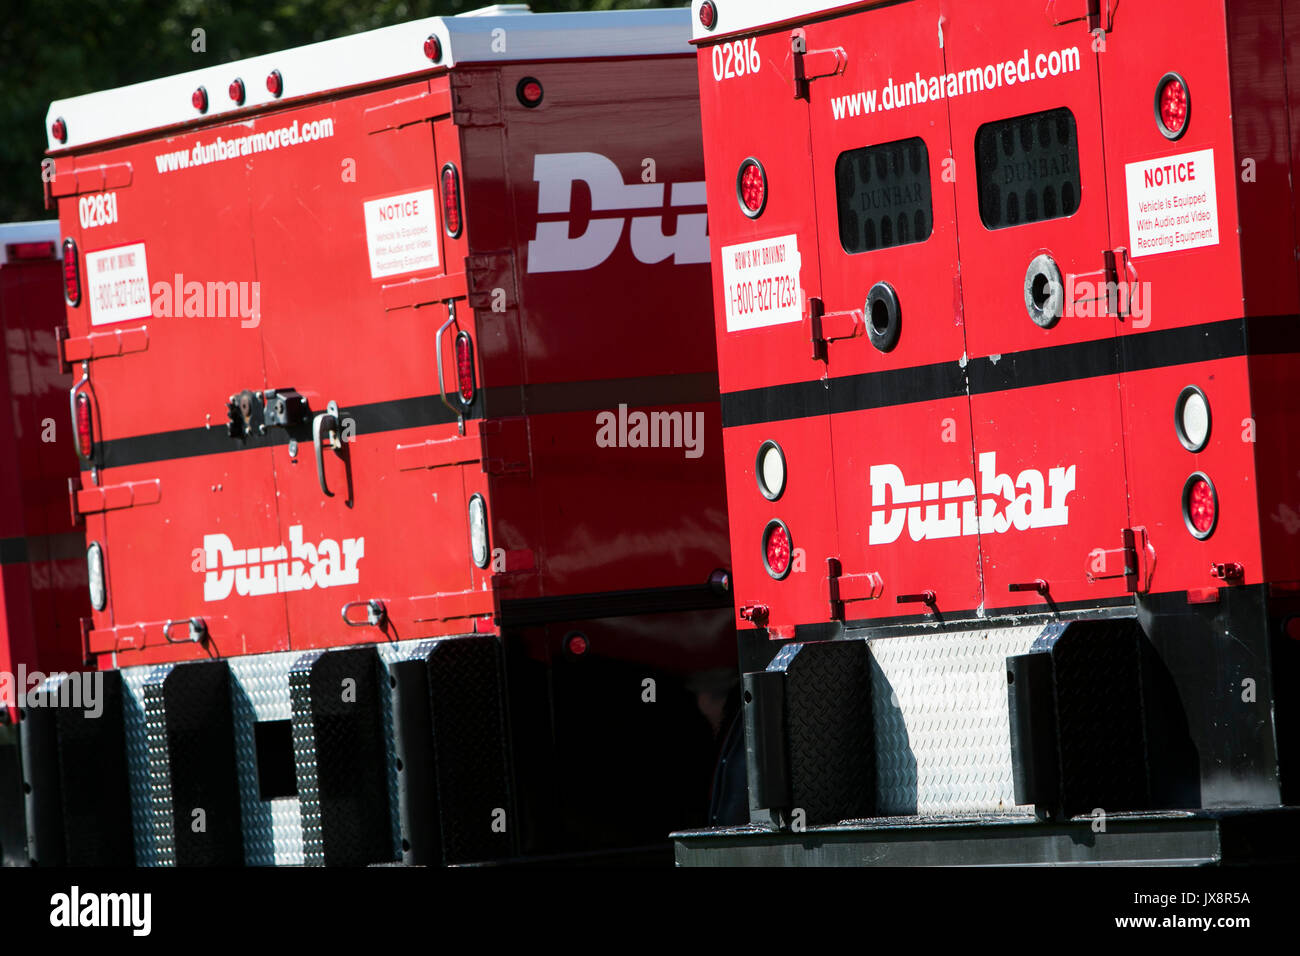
point(95, 574)
point(769, 469)
point(478, 539)
point(1192, 418)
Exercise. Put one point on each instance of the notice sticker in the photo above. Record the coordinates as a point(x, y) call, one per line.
point(117, 284)
point(761, 283)
point(402, 233)
point(1172, 204)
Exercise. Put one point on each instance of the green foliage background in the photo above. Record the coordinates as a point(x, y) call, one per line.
point(52, 49)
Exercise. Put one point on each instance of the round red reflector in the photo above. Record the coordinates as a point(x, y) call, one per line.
point(1200, 505)
point(576, 645)
point(465, 367)
point(200, 100)
point(751, 188)
point(85, 434)
point(708, 15)
point(529, 92)
point(433, 49)
point(60, 130)
point(1173, 105)
point(274, 83)
point(777, 549)
point(237, 91)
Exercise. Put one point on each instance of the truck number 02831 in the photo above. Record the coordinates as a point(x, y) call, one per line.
point(731, 60)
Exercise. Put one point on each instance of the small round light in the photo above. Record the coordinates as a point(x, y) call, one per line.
point(769, 470)
point(95, 575)
point(1173, 105)
point(478, 537)
point(708, 15)
point(237, 91)
point(1192, 418)
point(433, 49)
point(1200, 506)
point(59, 129)
point(200, 99)
point(529, 91)
point(576, 644)
point(274, 83)
point(751, 188)
point(777, 549)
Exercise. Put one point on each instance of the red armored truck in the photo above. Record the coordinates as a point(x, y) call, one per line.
point(1006, 300)
point(401, 474)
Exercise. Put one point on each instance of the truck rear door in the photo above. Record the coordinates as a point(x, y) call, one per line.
point(363, 278)
point(1031, 187)
point(164, 332)
point(887, 237)
point(776, 430)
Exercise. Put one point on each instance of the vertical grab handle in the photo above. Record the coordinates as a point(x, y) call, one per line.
point(442, 384)
point(325, 424)
point(72, 400)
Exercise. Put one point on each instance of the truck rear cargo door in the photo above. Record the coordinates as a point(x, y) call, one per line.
point(1031, 188)
point(888, 243)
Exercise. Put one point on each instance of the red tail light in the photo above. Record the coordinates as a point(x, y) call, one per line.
point(85, 427)
point(1173, 105)
point(274, 83)
point(708, 15)
point(751, 188)
point(777, 549)
point(576, 644)
point(30, 250)
point(529, 92)
point(451, 200)
point(237, 91)
point(1200, 505)
point(465, 367)
point(60, 130)
point(71, 273)
point(433, 49)
point(200, 99)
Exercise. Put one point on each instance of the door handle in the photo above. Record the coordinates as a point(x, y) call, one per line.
point(325, 429)
point(442, 384)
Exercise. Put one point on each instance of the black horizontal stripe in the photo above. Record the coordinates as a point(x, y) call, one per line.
point(43, 547)
point(519, 612)
point(423, 410)
point(1141, 351)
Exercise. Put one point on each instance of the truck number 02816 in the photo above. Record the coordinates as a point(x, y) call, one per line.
point(740, 58)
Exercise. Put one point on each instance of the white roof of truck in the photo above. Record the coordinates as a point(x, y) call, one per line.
point(749, 16)
point(45, 230)
point(506, 32)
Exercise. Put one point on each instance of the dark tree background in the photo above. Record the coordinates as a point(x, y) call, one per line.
point(53, 49)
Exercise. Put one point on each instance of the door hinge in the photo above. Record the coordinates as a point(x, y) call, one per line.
point(1112, 290)
point(476, 99)
point(842, 589)
point(129, 494)
point(1093, 14)
point(98, 345)
point(1135, 561)
point(87, 179)
point(420, 108)
point(823, 327)
point(501, 444)
point(490, 281)
point(812, 65)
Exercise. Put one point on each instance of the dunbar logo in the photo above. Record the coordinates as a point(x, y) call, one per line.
point(277, 569)
point(555, 251)
point(932, 507)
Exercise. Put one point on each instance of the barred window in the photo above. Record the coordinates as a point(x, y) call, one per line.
point(883, 195)
point(1028, 169)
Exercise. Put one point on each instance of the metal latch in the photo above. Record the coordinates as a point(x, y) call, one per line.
point(812, 65)
point(823, 327)
point(842, 589)
point(376, 613)
point(1135, 561)
point(251, 413)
